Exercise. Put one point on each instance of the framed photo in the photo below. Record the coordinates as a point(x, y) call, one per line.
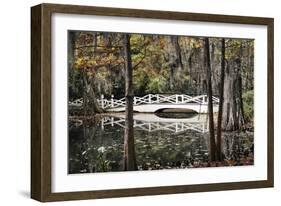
point(136, 102)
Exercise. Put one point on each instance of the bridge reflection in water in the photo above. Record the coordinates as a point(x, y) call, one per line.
point(152, 122)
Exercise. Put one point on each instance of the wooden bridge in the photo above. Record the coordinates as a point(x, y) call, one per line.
point(156, 102)
point(152, 123)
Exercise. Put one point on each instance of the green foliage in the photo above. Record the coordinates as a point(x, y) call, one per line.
point(156, 85)
point(159, 64)
point(150, 68)
point(97, 157)
point(233, 48)
point(102, 165)
point(141, 80)
point(248, 104)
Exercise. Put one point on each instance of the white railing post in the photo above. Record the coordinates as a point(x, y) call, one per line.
point(149, 98)
point(157, 98)
point(112, 101)
point(177, 101)
point(102, 101)
point(135, 100)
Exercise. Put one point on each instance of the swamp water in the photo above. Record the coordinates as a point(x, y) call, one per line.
point(161, 141)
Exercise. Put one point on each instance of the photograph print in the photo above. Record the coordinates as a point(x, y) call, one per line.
point(151, 102)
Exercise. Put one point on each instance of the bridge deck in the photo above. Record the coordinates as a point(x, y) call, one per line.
point(150, 108)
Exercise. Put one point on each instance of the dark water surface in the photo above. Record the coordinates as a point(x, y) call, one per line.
point(161, 142)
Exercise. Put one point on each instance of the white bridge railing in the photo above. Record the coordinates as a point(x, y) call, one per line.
point(173, 127)
point(149, 99)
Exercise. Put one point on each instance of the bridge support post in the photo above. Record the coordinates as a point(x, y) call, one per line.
point(112, 121)
point(177, 129)
point(149, 98)
point(112, 101)
point(102, 123)
point(149, 127)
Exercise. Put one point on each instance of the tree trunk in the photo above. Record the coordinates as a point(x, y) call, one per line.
point(91, 105)
point(175, 41)
point(85, 99)
point(129, 145)
point(174, 59)
point(190, 70)
point(72, 77)
point(171, 78)
point(221, 90)
point(229, 122)
point(90, 102)
point(232, 117)
point(212, 155)
point(71, 49)
point(240, 108)
point(202, 77)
